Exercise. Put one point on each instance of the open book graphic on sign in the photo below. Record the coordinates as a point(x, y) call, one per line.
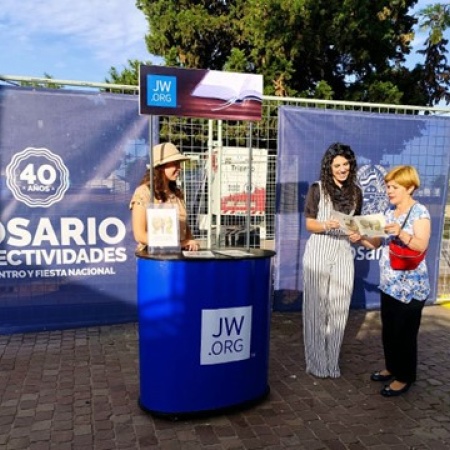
point(230, 87)
point(368, 225)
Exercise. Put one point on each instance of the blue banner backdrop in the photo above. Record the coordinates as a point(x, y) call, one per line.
point(69, 161)
point(380, 141)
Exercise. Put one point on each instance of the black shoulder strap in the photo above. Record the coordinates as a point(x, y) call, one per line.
point(406, 218)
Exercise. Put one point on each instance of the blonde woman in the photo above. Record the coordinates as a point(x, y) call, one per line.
point(403, 292)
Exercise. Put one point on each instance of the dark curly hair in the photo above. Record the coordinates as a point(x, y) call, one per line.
point(349, 187)
point(158, 183)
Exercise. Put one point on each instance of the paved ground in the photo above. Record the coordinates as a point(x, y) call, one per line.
point(78, 389)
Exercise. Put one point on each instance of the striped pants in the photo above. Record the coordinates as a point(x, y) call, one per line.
point(328, 279)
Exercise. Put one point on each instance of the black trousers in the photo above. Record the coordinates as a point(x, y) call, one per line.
point(401, 322)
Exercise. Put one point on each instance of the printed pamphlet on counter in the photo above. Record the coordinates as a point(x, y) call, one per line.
point(235, 253)
point(371, 225)
point(198, 254)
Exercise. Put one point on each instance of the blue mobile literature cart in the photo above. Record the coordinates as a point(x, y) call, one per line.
point(204, 328)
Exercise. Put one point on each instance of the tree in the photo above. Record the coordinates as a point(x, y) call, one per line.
point(436, 70)
point(329, 49)
point(300, 46)
point(128, 76)
point(193, 34)
point(42, 84)
point(343, 43)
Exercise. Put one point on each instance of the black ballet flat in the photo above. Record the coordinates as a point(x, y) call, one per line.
point(376, 376)
point(387, 391)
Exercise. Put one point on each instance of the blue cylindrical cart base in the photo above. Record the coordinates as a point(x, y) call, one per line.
point(204, 328)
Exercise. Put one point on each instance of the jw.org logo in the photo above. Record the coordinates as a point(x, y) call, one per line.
point(37, 177)
point(226, 335)
point(162, 91)
point(371, 181)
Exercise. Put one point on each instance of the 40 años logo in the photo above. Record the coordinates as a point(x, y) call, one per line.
point(37, 177)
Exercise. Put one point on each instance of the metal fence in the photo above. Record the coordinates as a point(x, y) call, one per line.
point(200, 138)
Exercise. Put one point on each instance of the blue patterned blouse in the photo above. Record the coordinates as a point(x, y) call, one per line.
point(404, 285)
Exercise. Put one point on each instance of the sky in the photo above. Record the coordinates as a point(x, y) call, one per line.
point(81, 40)
point(70, 40)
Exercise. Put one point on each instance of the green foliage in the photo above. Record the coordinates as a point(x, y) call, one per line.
point(328, 49)
point(128, 76)
point(384, 92)
point(435, 19)
point(42, 84)
point(436, 71)
point(323, 91)
point(319, 48)
point(192, 33)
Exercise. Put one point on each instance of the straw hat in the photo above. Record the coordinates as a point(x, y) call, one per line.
point(166, 153)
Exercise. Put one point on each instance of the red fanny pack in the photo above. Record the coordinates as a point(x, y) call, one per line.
point(401, 256)
point(404, 258)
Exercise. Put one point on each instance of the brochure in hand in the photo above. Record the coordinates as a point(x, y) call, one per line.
point(371, 225)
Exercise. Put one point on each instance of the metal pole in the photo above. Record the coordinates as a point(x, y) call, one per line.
point(218, 199)
point(249, 186)
point(209, 172)
point(150, 157)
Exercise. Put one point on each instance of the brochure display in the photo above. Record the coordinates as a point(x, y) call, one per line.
point(204, 317)
point(163, 234)
point(204, 328)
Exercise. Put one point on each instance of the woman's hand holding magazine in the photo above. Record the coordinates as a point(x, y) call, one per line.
point(371, 225)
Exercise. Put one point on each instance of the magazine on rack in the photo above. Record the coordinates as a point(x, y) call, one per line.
point(371, 225)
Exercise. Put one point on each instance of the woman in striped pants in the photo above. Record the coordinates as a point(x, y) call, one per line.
point(328, 263)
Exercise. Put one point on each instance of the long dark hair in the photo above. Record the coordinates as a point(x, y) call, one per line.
point(158, 183)
point(349, 187)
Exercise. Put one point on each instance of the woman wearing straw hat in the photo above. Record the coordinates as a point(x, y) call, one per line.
point(166, 169)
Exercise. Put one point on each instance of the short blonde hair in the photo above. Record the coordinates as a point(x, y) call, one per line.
point(406, 176)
